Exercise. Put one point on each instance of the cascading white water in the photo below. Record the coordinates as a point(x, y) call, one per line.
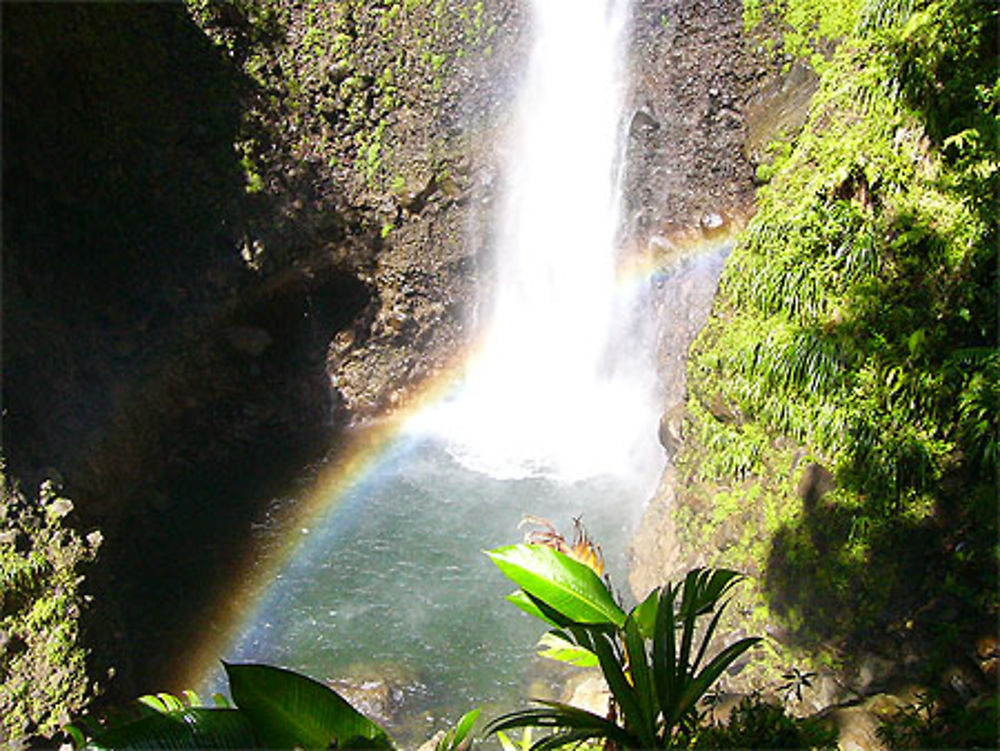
point(552, 392)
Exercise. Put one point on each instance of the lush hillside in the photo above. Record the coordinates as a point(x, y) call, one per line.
point(843, 399)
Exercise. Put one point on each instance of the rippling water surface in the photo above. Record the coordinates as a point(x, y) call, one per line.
point(393, 584)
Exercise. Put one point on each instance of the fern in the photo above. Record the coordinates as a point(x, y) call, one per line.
point(876, 15)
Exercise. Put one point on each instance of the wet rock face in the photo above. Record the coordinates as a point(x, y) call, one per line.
point(686, 163)
point(688, 183)
point(433, 84)
point(778, 108)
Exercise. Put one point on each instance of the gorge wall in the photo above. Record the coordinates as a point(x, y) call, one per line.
point(838, 432)
point(229, 231)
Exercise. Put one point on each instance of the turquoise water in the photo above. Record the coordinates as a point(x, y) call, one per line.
point(393, 583)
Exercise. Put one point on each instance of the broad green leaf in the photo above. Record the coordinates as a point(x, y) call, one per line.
point(88, 726)
point(565, 585)
point(288, 709)
point(644, 614)
point(200, 728)
point(558, 647)
point(523, 600)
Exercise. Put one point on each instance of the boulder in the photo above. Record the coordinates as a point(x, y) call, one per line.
point(671, 432)
point(589, 692)
point(377, 698)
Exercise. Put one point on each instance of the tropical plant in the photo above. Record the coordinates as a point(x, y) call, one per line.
point(755, 723)
point(272, 708)
point(931, 722)
point(648, 657)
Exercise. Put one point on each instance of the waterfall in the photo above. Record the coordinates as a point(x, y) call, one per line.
point(554, 389)
point(554, 416)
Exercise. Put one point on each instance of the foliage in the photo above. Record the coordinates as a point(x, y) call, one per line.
point(655, 679)
point(333, 80)
point(855, 333)
point(42, 664)
point(932, 724)
point(272, 708)
point(755, 723)
point(652, 659)
point(805, 25)
point(560, 582)
point(655, 659)
point(460, 736)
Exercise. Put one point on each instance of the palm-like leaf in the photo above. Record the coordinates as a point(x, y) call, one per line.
point(574, 724)
point(186, 728)
point(288, 709)
point(637, 726)
point(655, 686)
point(679, 683)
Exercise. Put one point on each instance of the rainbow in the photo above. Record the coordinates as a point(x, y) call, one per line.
point(365, 446)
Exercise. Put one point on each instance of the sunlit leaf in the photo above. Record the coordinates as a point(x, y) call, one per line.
point(287, 710)
point(557, 647)
point(644, 614)
point(454, 738)
point(522, 600)
point(567, 586)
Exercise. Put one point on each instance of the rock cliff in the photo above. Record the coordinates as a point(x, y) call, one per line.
point(230, 231)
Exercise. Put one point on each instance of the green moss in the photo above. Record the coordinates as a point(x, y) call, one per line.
point(42, 663)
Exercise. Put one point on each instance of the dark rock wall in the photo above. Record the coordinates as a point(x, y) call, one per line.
point(119, 178)
point(687, 126)
point(229, 230)
point(688, 178)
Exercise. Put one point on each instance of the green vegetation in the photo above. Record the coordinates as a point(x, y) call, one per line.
point(929, 724)
point(654, 678)
point(342, 78)
point(43, 675)
point(272, 708)
point(658, 670)
point(755, 723)
point(842, 440)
